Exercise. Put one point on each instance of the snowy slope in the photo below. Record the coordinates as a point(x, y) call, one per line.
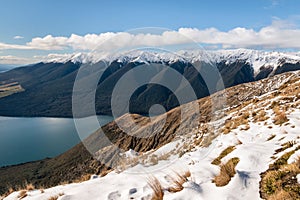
point(255, 142)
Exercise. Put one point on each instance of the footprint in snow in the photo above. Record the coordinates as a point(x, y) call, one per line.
point(114, 196)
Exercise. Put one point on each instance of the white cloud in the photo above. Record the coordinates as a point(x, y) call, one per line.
point(280, 34)
point(15, 60)
point(17, 37)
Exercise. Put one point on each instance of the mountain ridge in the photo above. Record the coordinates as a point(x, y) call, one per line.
point(48, 86)
point(260, 98)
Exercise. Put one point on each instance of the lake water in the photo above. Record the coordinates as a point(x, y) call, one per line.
point(29, 139)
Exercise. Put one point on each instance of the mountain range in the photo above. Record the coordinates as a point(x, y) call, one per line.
point(45, 89)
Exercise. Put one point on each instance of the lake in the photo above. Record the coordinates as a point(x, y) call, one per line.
point(28, 139)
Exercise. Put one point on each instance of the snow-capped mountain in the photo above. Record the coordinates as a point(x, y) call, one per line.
point(254, 58)
point(235, 67)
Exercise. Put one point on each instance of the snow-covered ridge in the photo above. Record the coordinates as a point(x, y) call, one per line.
point(256, 142)
point(255, 58)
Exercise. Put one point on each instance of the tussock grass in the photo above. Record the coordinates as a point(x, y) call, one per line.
point(283, 159)
point(22, 190)
point(236, 121)
point(8, 192)
point(155, 185)
point(83, 178)
point(227, 171)
point(285, 146)
point(53, 198)
point(281, 194)
point(260, 116)
point(224, 153)
point(280, 116)
point(29, 186)
point(279, 181)
point(178, 180)
point(22, 194)
point(176, 185)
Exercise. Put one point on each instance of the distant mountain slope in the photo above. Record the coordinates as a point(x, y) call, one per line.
point(261, 121)
point(4, 68)
point(48, 86)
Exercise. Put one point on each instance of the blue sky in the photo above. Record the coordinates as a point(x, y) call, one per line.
point(35, 18)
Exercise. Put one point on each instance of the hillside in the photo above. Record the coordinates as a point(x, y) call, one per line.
point(248, 149)
point(47, 86)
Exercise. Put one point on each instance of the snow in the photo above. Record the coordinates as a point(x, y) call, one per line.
point(252, 147)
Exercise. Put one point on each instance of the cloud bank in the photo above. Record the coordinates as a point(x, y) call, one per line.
point(278, 35)
point(275, 36)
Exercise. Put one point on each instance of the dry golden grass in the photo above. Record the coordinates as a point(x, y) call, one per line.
point(224, 153)
point(279, 181)
point(9, 191)
point(281, 161)
point(281, 195)
point(53, 198)
point(178, 180)
point(234, 122)
point(227, 171)
point(260, 116)
point(22, 194)
point(285, 146)
point(83, 178)
point(29, 186)
point(158, 192)
point(280, 116)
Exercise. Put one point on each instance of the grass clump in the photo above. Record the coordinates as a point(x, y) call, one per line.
point(225, 152)
point(178, 180)
point(260, 116)
point(29, 186)
point(281, 182)
point(227, 171)
point(281, 161)
point(22, 194)
point(155, 185)
point(280, 116)
point(285, 146)
point(53, 198)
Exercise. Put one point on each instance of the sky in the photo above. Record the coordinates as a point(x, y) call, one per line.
point(33, 29)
